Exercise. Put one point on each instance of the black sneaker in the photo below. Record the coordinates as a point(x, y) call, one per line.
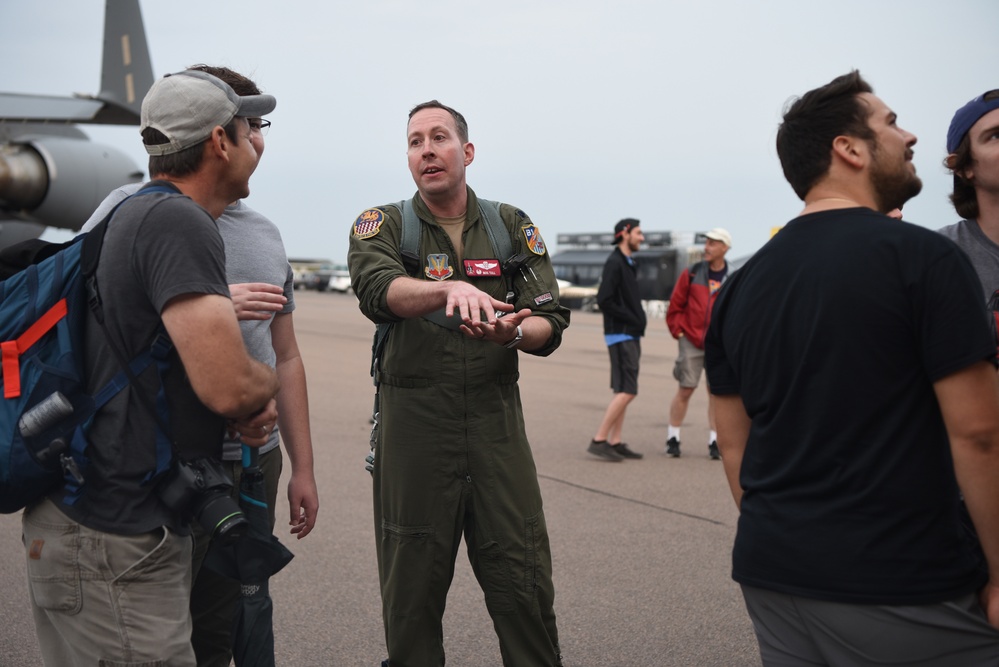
point(713, 452)
point(604, 451)
point(673, 448)
point(622, 449)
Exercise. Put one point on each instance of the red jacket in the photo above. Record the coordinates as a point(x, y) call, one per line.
point(689, 311)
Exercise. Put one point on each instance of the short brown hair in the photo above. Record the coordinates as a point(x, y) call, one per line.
point(459, 120)
point(813, 121)
point(242, 85)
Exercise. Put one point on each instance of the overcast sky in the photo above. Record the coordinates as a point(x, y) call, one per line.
point(581, 112)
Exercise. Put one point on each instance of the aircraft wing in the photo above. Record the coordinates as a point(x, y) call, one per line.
point(51, 174)
point(47, 108)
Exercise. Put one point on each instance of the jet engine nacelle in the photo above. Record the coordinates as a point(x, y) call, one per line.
point(59, 181)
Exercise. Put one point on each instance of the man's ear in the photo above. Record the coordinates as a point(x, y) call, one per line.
point(469, 152)
point(966, 174)
point(853, 151)
point(219, 143)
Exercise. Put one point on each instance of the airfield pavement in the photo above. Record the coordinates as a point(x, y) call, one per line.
point(641, 549)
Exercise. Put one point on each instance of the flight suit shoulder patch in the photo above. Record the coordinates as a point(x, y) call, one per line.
point(369, 223)
point(533, 237)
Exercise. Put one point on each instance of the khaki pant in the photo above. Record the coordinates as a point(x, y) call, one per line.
point(107, 600)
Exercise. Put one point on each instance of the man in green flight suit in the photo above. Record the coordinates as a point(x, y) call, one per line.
point(452, 454)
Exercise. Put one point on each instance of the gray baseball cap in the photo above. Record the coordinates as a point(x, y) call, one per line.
point(186, 106)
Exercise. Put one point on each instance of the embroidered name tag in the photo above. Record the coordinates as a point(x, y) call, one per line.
point(482, 267)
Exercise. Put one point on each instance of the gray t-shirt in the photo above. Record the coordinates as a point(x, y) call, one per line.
point(254, 253)
point(983, 253)
point(157, 247)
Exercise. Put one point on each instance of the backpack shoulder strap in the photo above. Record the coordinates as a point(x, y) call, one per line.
point(92, 244)
point(157, 352)
point(410, 236)
point(410, 244)
point(499, 237)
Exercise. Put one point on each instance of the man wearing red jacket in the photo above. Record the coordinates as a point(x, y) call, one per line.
point(687, 318)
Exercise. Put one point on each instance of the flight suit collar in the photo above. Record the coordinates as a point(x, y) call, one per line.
point(471, 208)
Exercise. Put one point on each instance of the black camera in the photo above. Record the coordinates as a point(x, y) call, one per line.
point(199, 490)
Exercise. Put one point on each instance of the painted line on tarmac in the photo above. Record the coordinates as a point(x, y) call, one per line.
point(631, 500)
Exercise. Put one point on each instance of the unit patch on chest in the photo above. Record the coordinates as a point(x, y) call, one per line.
point(438, 267)
point(534, 241)
point(369, 223)
point(476, 268)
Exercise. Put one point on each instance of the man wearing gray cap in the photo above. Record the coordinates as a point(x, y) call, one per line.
point(687, 319)
point(110, 574)
point(261, 286)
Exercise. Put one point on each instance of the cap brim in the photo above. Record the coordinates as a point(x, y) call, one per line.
point(254, 106)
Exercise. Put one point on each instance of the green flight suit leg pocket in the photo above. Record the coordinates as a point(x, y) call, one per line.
point(409, 554)
point(496, 578)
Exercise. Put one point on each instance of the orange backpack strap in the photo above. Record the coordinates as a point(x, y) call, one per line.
point(11, 350)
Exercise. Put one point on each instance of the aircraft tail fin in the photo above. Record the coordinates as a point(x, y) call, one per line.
point(127, 70)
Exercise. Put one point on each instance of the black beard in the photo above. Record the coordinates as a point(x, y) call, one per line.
point(894, 188)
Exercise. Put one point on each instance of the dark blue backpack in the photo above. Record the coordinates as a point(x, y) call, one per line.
point(46, 410)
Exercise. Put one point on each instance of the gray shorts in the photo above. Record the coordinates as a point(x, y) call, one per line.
point(624, 358)
point(689, 364)
point(798, 632)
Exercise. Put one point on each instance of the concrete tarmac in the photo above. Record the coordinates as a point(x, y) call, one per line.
point(642, 549)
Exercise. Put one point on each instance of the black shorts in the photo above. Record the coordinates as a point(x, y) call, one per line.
point(624, 358)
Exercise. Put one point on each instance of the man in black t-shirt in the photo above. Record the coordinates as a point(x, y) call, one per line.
point(856, 399)
point(109, 573)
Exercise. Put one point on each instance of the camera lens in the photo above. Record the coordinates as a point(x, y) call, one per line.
point(222, 518)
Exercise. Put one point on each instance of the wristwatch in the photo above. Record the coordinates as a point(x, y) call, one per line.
point(515, 341)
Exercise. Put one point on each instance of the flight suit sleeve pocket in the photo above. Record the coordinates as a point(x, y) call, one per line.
point(54, 570)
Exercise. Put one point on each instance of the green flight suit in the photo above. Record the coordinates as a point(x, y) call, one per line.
point(452, 455)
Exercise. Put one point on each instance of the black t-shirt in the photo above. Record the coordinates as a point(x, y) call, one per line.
point(157, 247)
point(833, 335)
